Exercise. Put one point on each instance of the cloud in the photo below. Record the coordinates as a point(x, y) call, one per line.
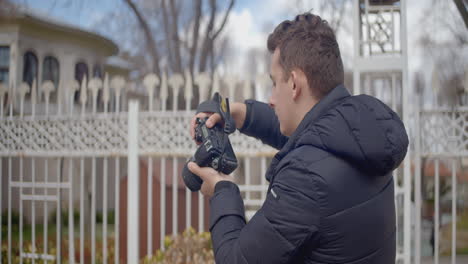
point(243, 32)
point(244, 35)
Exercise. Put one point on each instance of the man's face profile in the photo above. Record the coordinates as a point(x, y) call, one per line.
point(281, 94)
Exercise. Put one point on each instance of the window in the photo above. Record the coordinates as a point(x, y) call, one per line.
point(4, 63)
point(30, 68)
point(50, 70)
point(97, 71)
point(81, 70)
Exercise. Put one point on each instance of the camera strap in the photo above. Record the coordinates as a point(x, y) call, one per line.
point(220, 106)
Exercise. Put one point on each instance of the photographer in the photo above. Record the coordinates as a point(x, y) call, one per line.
point(331, 192)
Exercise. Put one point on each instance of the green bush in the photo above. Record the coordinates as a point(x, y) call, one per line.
point(15, 220)
point(189, 247)
point(76, 217)
point(64, 217)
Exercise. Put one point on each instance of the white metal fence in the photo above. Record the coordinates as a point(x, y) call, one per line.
point(442, 139)
point(62, 156)
point(79, 156)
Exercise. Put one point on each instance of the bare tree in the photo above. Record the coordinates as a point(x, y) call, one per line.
point(444, 40)
point(461, 6)
point(189, 34)
point(175, 48)
point(332, 10)
point(150, 42)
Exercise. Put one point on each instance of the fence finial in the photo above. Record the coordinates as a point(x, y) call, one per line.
point(203, 81)
point(231, 82)
point(23, 90)
point(164, 88)
point(176, 81)
point(117, 83)
point(73, 86)
point(247, 90)
point(3, 91)
point(83, 90)
point(261, 83)
point(435, 82)
point(215, 83)
point(34, 96)
point(150, 82)
point(106, 91)
point(188, 88)
point(95, 84)
point(47, 88)
point(466, 80)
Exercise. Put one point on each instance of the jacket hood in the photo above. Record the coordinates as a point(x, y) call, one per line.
point(360, 129)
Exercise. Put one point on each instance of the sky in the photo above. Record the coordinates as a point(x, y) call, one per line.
point(249, 24)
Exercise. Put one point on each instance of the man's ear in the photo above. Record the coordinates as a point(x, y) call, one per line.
point(296, 84)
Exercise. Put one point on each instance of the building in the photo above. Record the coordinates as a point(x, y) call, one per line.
point(36, 47)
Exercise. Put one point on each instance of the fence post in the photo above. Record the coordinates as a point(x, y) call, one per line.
point(417, 188)
point(133, 184)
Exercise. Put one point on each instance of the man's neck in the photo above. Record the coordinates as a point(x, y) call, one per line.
point(302, 109)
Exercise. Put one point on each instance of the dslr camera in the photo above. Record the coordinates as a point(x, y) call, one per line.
point(215, 149)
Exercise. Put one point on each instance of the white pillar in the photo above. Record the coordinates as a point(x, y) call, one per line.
point(133, 185)
point(356, 48)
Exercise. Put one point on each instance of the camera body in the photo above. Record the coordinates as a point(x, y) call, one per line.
point(215, 151)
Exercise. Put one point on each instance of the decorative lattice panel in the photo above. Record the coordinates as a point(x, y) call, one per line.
point(444, 132)
point(160, 134)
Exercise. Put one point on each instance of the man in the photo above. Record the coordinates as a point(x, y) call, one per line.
point(331, 197)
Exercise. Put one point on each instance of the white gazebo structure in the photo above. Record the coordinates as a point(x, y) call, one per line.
point(381, 69)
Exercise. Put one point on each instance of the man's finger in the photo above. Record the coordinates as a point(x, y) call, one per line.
point(199, 171)
point(192, 127)
point(212, 120)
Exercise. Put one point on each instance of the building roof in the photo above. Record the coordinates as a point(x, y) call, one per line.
point(27, 17)
point(119, 62)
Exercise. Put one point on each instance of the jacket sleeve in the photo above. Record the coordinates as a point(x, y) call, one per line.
point(262, 123)
point(286, 220)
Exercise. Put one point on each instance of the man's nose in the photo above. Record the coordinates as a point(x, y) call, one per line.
point(269, 96)
point(270, 102)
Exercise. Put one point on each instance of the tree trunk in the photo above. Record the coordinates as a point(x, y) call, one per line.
point(175, 38)
point(167, 34)
point(150, 42)
point(196, 29)
point(207, 40)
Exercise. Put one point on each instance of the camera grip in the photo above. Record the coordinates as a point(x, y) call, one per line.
point(192, 181)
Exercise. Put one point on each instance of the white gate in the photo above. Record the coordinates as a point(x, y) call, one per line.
point(442, 142)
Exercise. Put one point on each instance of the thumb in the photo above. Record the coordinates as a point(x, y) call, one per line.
point(197, 170)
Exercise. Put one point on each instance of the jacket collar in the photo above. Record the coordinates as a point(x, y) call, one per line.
point(331, 99)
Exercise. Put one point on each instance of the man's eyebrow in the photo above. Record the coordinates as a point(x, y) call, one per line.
point(271, 77)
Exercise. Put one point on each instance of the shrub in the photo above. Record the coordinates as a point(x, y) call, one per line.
point(189, 247)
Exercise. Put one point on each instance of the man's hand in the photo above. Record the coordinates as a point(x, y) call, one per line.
point(238, 112)
point(209, 176)
point(213, 119)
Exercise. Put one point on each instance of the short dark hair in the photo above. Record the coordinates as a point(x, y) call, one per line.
point(309, 43)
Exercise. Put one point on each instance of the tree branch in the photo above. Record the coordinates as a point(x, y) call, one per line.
point(462, 9)
point(226, 16)
point(167, 35)
point(175, 37)
point(151, 44)
point(196, 30)
point(207, 43)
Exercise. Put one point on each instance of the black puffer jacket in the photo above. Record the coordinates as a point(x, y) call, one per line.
point(331, 197)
